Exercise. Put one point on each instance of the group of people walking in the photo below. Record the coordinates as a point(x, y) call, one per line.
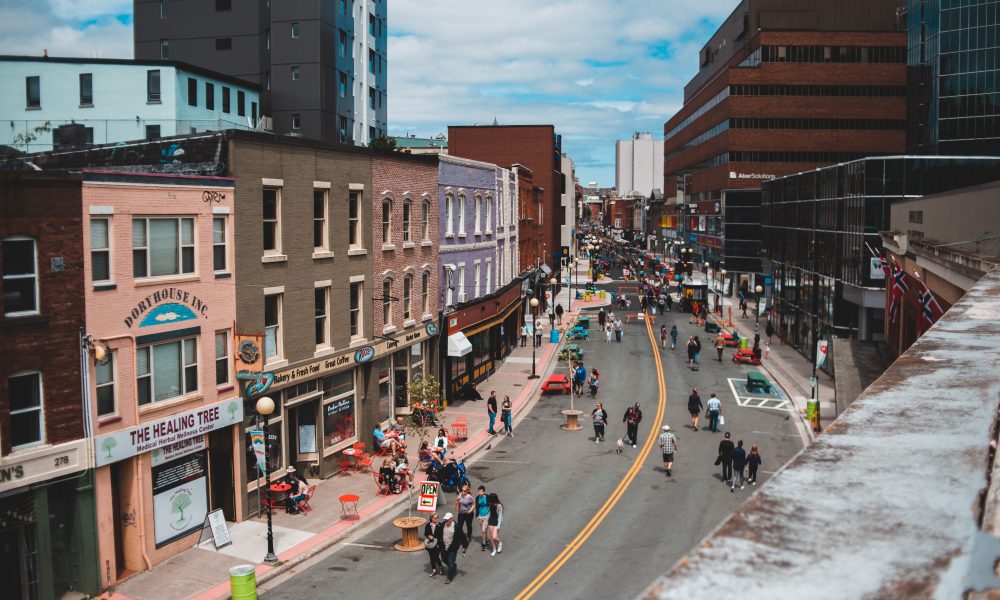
point(443, 538)
point(611, 325)
point(506, 414)
point(736, 461)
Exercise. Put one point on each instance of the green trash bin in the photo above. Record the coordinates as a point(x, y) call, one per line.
point(744, 343)
point(600, 294)
point(810, 409)
point(243, 582)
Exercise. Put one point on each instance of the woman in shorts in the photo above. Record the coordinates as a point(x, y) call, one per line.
point(495, 522)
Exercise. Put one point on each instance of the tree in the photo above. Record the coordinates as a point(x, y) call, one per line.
point(427, 391)
point(383, 143)
point(108, 444)
point(26, 138)
point(232, 410)
point(181, 501)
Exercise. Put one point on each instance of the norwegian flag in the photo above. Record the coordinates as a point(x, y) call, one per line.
point(931, 310)
point(899, 289)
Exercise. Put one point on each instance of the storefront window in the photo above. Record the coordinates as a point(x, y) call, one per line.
point(400, 377)
point(384, 370)
point(338, 409)
point(480, 347)
point(180, 497)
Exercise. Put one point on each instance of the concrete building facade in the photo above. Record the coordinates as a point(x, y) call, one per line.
point(639, 164)
point(75, 102)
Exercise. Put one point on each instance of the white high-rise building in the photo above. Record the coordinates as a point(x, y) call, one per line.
point(639, 165)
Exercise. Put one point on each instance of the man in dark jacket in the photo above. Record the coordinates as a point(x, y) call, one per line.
point(452, 538)
point(739, 465)
point(726, 448)
point(632, 418)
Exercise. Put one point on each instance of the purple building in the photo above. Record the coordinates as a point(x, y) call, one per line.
point(468, 249)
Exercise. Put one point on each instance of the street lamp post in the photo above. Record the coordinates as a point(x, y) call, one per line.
point(534, 311)
point(265, 406)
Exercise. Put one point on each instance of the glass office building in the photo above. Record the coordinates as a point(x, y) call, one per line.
point(816, 225)
point(953, 77)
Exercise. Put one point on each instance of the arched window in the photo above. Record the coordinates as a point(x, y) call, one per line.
point(461, 214)
point(489, 214)
point(425, 217)
point(407, 291)
point(387, 301)
point(449, 214)
point(477, 214)
point(406, 220)
point(386, 221)
point(425, 291)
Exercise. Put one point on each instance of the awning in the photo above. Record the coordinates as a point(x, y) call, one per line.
point(458, 344)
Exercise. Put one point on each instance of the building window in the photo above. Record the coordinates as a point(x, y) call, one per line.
point(295, 30)
point(296, 121)
point(461, 214)
point(386, 221)
point(219, 244)
point(425, 219)
point(272, 220)
point(449, 214)
point(164, 49)
point(342, 89)
point(425, 291)
point(223, 5)
point(152, 132)
point(86, 89)
point(371, 134)
point(162, 247)
point(354, 220)
point(241, 99)
point(27, 426)
point(489, 214)
point(371, 98)
point(477, 271)
point(105, 380)
point(488, 284)
point(916, 216)
point(221, 358)
point(461, 283)
point(167, 370)
point(387, 301)
point(225, 100)
point(406, 220)
point(272, 326)
point(322, 303)
point(192, 91)
point(371, 25)
point(163, 9)
point(319, 219)
point(224, 43)
point(407, 291)
point(343, 129)
point(20, 277)
point(477, 208)
point(209, 96)
point(357, 289)
point(253, 113)
point(343, 6)
point(296, 73)
point(100, 250)
point(153, 85)
point(371, 61)
point(343, 43)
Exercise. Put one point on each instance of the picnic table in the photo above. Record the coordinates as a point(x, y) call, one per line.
point(572, 351)
point(583, 322)
point(757, 382)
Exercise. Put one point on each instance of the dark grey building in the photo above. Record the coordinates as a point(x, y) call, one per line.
point(953, 77)
point(322, 64)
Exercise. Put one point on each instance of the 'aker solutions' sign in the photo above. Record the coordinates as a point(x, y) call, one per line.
point(127, 443)
point(756, 176)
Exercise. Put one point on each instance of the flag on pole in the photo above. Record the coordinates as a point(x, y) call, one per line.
point(930, 309)
point(899, 289)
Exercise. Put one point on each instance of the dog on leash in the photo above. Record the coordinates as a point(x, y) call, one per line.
point(620, 445)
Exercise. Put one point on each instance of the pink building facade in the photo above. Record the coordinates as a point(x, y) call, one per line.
point(165, 406)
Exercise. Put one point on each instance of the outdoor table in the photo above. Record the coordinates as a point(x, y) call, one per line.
point(349, 506)
point(411, 538)
point(756, 381)
point(352, 455)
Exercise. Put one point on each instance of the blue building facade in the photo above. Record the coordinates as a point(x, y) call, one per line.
point(468, 214)
point(72, 102)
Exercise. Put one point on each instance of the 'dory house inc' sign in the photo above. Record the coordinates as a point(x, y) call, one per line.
point(166, 306)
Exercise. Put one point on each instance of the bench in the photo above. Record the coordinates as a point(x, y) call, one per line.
point(757, 382)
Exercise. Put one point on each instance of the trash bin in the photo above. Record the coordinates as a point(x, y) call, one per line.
point(243, 582)
point(553, 336)
point(744, 343)
point(810, 409)
point(600, 294)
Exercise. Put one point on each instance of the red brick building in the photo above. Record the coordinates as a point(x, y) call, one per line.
point(536, 147)
point(530, 237)
point(782, 87)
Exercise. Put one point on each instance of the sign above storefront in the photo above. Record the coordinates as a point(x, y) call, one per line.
point(165, 307)
point(127, 443)
point(30, 467)
point(249, 360)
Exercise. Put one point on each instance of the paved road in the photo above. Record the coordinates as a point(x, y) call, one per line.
point(553, 483)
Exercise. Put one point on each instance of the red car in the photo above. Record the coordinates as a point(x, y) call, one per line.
point(555, 384)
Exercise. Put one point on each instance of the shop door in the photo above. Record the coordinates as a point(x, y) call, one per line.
point(116, 511)
point(220, 472)
point(400, 382)
point(19, 562)
point(304, 432)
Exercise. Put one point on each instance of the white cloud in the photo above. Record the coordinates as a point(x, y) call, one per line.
point(66, 28)
point(170, 316)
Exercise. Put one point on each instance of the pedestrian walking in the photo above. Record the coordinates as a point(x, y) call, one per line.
point(720, 344)
point(552, 317)
point(538, 333)
point(465, 506)
point(594, 383)
point(754, 461)
point(579, 378)
point(632, 418)
point(694, 408)
point(673, 337)
point(432, 535)
point(714, 406)
point(609, 331)
point(505, 416)
point(483, 513)
point(767, 349)
point(668, 445)
point(452, 538)
point(524, 335)
point(663, 337)
point(495, 522)
point(602, 318)
point(739, 466)
point(670, 303)
point(726, 458)
point(743, 307)
point(691, 350)
point(491, 410)
point(618, 330)
point(769, 330)
point(559, 313)
point(600, 417)
point(697, 351)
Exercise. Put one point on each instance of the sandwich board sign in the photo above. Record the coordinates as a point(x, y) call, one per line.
point(427, 500)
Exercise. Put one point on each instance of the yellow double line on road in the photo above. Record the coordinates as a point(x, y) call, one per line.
point(612, 500)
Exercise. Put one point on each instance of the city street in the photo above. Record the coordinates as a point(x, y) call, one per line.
point(563, 495)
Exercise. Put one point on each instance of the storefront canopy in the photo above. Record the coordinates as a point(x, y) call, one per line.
point(458, 344)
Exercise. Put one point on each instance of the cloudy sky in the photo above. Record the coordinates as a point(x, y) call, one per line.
point(596, 69)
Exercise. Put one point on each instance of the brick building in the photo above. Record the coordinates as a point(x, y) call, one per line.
point(529, 210)
point(536, 147)
point(782, 87)
point(48, 534)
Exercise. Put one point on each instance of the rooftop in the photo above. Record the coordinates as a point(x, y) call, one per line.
point(892, 500)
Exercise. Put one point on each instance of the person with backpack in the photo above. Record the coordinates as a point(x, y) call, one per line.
point(673, 337)
point(739, 466)
point(632, 418)
point(692, 350)
point(663, 337)
point(559, 313)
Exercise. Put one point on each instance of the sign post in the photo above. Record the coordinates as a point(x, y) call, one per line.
point(215, 523)
point(428, 498)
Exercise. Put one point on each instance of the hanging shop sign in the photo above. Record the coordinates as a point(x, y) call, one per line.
point(249, 360)
point(167, 306)
point(340, 361)
point(180, 498)
point(260, 386)
point(127, 443)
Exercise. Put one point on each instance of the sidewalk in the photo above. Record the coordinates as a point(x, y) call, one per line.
point(785, 365)
point(201, 572)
